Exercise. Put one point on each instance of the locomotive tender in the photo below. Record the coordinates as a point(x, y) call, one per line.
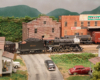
point(56, 45)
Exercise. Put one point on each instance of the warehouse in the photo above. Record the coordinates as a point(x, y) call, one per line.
point(43, 26)
point(79, 24)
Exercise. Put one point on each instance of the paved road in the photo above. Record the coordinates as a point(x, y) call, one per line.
point(37, 69)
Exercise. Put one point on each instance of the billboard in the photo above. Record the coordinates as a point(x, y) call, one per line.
point(89, 17)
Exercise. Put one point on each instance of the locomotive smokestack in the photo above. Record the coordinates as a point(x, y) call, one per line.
point(42, 37)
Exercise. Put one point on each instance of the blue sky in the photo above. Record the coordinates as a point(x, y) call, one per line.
point(45, 6)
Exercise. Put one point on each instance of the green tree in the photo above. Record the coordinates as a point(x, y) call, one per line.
point(96, 73)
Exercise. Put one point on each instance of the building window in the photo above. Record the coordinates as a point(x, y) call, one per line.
point(88, 23)
point(88, 33)
point(65, 32)
point(44, 22)
point(35, 31)
point(82, 23)
point(75, 24)
point(95, 23)
point(76, 33)
point(65, 24)
point(81, 33)
point(52, 30)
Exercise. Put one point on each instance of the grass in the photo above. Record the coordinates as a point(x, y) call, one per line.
point(21, 62)
point(67, 61)
point(19, 75)
point(79, 78)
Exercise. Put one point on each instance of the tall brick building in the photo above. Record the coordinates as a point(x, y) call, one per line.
point(43, 26)
point(79, 24)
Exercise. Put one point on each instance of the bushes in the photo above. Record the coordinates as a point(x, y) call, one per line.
point(72, 58)
point(96, 73)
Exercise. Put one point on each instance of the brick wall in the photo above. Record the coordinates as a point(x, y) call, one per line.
point(67, 30)
point(42, 29)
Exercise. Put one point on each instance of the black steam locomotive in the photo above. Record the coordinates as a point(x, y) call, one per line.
point(55, 45)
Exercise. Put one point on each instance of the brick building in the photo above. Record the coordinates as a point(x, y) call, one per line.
point(79, 24)
point(43, 26)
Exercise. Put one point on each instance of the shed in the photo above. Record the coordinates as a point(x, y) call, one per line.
point(94, 60)
point(2, 42)
point(98, 47)
point(7, 62)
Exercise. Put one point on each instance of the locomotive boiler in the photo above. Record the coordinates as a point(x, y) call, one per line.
point(63, 45)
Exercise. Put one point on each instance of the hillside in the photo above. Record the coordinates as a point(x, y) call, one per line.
point(19, 11)
point(94, 11)
point(58, 12)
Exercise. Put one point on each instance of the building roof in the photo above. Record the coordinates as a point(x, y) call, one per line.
point(98, 47)
point(2, 42)
point(95, 60)
point(8, 55)
point(96, 27)
point(48, 38)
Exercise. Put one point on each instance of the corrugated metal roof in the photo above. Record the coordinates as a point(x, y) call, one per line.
point(96, 27)
point(95, 60)
point(8, 55)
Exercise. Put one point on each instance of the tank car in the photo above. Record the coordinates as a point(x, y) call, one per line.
point(84, 39)
point(31, 45)
point(63, 45)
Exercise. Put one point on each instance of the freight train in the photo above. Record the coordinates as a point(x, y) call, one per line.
point(35, 45)
point(86, 39)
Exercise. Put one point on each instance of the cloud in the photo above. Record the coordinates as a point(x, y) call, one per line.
point(46, 6)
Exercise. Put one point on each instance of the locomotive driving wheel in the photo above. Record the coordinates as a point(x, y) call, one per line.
point(54, 49)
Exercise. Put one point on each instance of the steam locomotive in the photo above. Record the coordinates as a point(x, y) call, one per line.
point(56, 45)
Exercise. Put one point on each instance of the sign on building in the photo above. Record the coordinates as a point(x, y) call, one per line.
point(75, 28)
point(88, 17)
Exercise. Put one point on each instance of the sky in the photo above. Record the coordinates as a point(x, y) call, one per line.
point(45, 6)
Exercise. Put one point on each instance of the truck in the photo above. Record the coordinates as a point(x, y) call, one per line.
point(96, 36)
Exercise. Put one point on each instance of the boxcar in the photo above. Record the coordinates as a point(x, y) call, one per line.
point(96, 36)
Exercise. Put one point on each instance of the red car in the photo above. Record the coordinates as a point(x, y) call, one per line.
point(79, 69)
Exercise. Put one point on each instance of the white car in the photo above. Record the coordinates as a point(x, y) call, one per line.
point(16, 64)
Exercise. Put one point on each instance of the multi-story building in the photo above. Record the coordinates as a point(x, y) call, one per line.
point(79, 24)
point(43, 26)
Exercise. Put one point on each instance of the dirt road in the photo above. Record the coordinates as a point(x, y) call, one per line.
point(37, 69)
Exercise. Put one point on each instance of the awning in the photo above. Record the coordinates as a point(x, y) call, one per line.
point(95, 60)
point(96, 27)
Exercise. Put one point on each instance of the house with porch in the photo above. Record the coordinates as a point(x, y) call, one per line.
point(5, 59)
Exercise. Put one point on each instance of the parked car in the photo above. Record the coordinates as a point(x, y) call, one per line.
point(79, 69)
point(50, 65)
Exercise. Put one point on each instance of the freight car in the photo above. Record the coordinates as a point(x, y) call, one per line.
point(55, 45)
point(96, 36)
point(84, 39)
